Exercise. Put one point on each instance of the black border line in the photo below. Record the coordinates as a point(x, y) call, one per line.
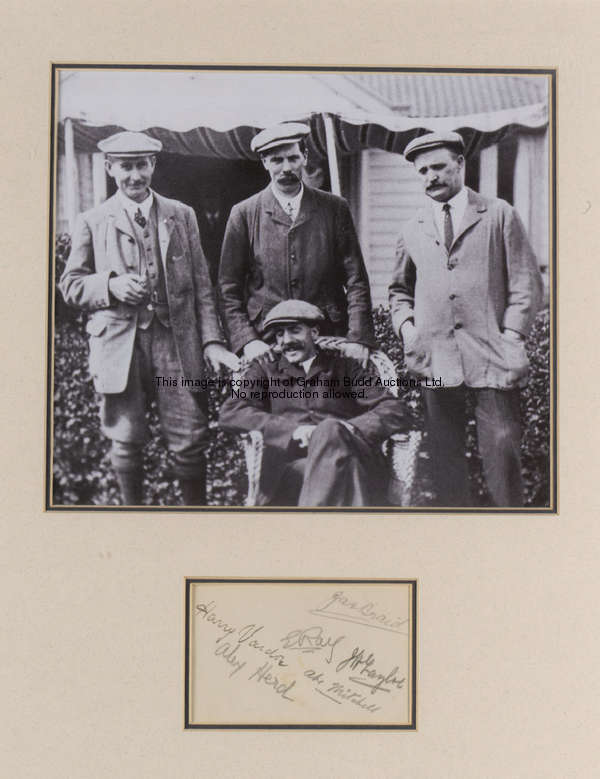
point(554, 298)
point(50, 309)
point(552, 509)
point(190, 581)
point(308, 68)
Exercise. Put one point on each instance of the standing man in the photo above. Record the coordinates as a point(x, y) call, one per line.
point(137, 267)
point(464, 293)
point(291, 241)
point(322, 415)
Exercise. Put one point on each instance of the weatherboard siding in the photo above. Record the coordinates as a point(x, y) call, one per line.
point(391, 194)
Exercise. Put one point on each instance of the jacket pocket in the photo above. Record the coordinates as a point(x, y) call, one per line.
point(95, 326)
point(515, 359)
point(417, 357)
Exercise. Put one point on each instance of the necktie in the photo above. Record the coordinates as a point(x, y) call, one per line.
point(448, 229)
point(140, 218)
point(289, 209)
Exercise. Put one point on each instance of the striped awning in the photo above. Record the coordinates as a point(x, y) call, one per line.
point(215, 113)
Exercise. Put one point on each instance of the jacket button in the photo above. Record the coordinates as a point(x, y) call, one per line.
point(131, 240)
point(452, 296)
point(294, 282)
point(458, 325)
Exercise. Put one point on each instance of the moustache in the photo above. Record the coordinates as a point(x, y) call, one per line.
point(293, 347)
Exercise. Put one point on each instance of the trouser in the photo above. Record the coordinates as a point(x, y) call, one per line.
point(182, 419)
point(498, 436)
point(341, 468)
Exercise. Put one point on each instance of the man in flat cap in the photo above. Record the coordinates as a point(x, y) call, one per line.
point(136, 266)
point(465, 290)
point(292, 241)
point(323, 417)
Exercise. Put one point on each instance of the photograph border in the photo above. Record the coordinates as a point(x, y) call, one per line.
point(550, 72)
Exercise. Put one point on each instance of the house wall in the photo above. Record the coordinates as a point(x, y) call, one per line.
point(390, 195)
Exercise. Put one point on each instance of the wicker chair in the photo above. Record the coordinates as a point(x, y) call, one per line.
point(401, 449)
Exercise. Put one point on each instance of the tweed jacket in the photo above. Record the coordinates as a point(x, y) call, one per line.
point(104, 245)
point(376, 416)
point(462, 300)
point(265, 259)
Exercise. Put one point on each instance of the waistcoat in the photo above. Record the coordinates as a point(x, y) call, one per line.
point(151, 266)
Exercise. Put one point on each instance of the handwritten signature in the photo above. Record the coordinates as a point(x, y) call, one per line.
point(263, 674)
point(337, 692)
point(246, 635)
point(311, 640)
point(342, 608)
point(364, 663)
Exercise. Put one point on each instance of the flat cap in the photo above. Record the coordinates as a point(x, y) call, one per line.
point(278, 135)
point(129, 144)
point(433, 141)
point(289, 311)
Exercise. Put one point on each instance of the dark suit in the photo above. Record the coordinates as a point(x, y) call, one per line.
point(127, 351)
point(265, 259)
point(461, 300)
point(340, 468)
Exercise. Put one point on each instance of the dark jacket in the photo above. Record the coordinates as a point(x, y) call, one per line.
point(103, 244)
point(265, 259)
point(375, 416)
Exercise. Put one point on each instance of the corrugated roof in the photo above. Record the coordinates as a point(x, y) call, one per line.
point(433, 94)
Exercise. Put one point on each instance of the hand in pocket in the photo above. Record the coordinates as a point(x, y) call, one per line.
point(416, 358)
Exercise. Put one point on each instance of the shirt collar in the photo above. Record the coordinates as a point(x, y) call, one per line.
point(285, 199)
point(131, 206)
point(307, 363)
point(458, 202)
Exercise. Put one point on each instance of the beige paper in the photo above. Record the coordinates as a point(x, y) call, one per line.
point(93, 620)
point(300, 653)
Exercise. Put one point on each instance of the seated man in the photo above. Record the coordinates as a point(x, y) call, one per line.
point(322, 415)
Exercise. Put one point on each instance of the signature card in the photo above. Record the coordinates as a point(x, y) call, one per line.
point(300, 653)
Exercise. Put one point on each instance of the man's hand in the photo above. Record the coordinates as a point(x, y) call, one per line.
point(128, 288)
point(302, 434)
point(408, 333)
point(356, 351)
point(417, 359)
point(255, 348)
point(216, 355)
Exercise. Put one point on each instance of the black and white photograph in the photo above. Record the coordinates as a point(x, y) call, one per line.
point(302, 288)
